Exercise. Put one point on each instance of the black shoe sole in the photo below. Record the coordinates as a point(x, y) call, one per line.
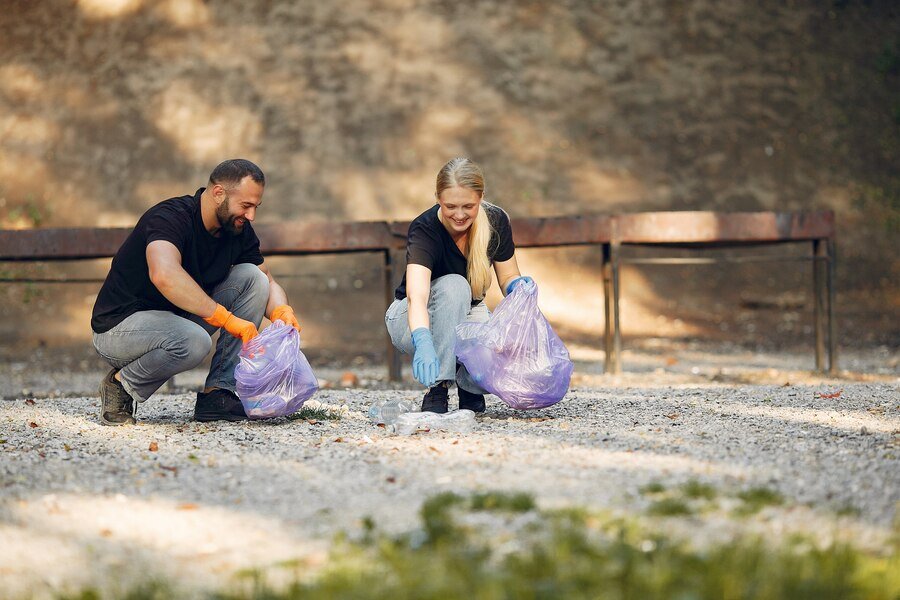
point(206, 418)
point(128, 421)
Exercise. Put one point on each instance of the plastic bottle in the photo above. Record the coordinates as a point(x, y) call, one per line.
point(386, 412)
point(457, 421)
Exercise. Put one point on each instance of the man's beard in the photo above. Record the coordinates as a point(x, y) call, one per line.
point(226, 219)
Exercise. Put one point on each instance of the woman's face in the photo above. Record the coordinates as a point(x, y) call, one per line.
point(459, 207)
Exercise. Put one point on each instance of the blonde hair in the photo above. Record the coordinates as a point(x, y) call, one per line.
point(462, 172)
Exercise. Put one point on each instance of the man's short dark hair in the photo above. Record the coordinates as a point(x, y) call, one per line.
point(230, 173)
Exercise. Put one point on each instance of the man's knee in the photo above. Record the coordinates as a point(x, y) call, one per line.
point(251, 278)
point(190, 346)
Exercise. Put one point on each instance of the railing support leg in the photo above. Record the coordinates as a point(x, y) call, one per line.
point(614, 248)
point(832, 325)
point(606, 269)
point(819, 302)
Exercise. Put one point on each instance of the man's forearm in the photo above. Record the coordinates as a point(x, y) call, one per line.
point(277, 297)
point(181, 290)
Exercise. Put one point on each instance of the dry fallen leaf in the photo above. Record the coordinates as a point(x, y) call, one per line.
point(187, 506)
point(338, 440)
point(671, 360)
point(105, 533)
point(836, 394)
point(32, 424)
point(672, 416)
point(433, 449)
point(349, 379)
point(153, 447)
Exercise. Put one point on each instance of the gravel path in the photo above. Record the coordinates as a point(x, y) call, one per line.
point(84, 504)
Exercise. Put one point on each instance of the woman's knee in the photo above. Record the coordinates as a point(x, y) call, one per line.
point(452, 288)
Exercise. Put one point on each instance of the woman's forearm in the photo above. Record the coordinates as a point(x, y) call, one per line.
point(418, 314)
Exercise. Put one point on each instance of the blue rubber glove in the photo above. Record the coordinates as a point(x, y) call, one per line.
point(426, 365)
point(517, 281)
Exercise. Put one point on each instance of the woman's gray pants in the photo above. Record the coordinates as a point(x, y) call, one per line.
point(449, 304)
point(150, 346)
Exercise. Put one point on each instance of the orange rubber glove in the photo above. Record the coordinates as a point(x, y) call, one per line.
point(236, 326)
point(285, 313)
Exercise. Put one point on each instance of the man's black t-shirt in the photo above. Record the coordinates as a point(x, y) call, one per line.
point(428, 243)
point(206, 258)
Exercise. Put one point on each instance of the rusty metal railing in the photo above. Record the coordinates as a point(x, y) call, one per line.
point(696, 230)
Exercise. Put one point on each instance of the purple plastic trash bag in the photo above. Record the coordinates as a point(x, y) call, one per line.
point(273, 377)
point(516, 355)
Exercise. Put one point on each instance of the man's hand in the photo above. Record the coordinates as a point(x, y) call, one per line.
point(285, 313)
point(236, 326)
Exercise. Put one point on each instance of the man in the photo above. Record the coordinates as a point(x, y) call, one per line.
point(191, 266)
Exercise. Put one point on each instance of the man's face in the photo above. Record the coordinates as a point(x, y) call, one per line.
point(238, 204)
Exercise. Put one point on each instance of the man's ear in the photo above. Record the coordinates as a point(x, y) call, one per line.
point(218, 193)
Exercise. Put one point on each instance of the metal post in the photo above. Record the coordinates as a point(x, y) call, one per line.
point(393, 262)
point(614, 248)
point(819, 300)
point(832, 326)
point(606, 270)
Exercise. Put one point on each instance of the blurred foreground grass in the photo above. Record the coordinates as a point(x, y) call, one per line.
point(493, 546)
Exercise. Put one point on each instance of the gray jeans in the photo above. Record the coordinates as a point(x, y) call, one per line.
point(449, 304)
point(151, 346)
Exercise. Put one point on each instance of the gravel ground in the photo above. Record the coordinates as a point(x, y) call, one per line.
point(82, 504)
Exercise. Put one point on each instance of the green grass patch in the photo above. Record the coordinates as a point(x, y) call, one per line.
point(652, 488)
point(697, 490)
point(502, 502)
point(670, 507)
point(570, 553)
point(757, 498)
point(848, 510)
point(322, 413)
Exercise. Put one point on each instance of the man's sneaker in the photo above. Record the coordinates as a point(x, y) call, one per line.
point(470, 401)
point(435, 399)
point(219, 405)
point(116, 405)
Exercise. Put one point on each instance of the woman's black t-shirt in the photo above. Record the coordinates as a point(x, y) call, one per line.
point(206, 258)
point(428, 243)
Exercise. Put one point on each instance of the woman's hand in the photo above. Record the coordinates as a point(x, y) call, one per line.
point(517, 282)
point(426, 366)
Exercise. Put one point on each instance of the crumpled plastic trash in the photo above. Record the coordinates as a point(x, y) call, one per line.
point(386, 412)
point(273, 377)
point(516, 355)
point(456, 421)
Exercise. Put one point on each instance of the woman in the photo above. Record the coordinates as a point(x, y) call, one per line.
point(449, 252)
